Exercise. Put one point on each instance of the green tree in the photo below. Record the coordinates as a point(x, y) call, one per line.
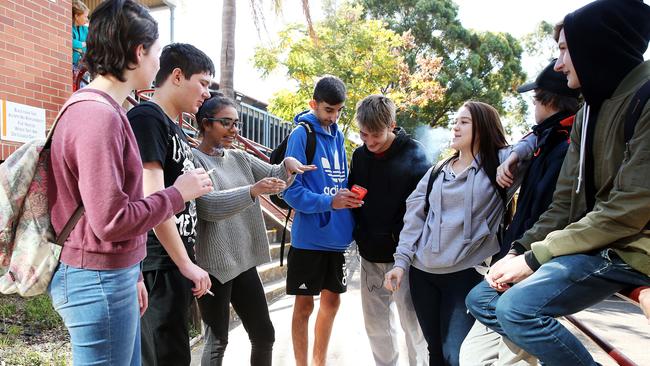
point(366, 55)
point(483, 66)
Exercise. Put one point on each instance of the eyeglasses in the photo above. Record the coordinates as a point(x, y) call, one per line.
point(227, 123)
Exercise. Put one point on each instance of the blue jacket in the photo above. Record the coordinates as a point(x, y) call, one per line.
point(79, 35)
point(316, 224)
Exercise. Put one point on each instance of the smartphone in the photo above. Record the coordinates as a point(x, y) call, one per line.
point(360, 191)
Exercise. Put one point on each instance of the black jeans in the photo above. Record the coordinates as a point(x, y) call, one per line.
point(439, 302)
point(246, 294)
point(165, 333)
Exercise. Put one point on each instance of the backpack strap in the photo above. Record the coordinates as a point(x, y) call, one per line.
point(283, 242)
point(634, 110)
point(432, 178)
point(310, 146)
point(310, 151)
point(79, 96)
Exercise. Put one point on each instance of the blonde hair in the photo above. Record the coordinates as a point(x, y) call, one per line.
point(78, 7)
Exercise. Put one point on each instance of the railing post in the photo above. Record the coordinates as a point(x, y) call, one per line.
point(267, 131)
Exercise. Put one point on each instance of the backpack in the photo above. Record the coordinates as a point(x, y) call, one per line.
point(29, 252)
point(277, 155)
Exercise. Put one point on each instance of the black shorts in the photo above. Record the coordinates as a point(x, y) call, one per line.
point(310, 271)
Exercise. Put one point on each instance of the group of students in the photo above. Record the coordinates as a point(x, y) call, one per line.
point(426, 234)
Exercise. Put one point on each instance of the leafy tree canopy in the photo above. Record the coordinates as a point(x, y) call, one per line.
point(483, 66)
point(364, 53)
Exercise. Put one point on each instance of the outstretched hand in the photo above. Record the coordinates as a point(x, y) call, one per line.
point(293, 166)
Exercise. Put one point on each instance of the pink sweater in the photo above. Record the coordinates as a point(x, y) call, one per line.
point(95, 161)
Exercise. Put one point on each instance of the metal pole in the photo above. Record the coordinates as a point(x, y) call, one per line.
point(171, 23)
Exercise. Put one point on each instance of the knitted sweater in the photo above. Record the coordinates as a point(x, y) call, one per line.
point(230, 232)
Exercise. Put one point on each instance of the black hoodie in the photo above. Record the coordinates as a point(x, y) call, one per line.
point(389, 178)
point(606, 40)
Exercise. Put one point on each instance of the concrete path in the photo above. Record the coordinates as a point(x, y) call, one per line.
point(617, 321)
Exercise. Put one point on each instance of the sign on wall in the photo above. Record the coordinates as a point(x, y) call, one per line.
point(21, 123)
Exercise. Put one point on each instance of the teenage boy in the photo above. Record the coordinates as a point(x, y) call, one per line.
point(389, 166)
point(169, 270)
point(322, 225)
point(593, 240)
point(555, 106)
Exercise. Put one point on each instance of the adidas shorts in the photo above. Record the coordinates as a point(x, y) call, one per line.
point(310, 271)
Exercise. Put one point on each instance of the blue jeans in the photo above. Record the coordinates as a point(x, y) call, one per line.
point(100, 309)
point(565, 285)
point(438, 300)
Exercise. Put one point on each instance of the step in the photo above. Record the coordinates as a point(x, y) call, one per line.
point(275, 251)
point(272, 235)
point(272, 271)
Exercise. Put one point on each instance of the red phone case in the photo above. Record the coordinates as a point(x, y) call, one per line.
point(360, 191)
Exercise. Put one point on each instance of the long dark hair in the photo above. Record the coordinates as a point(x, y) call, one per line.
point(210, 107)
point(487, 128)
point(117, 28)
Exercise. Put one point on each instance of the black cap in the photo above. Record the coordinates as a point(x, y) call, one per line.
point(552, 81)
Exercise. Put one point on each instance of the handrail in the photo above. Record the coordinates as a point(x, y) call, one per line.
point(631, 295)
point(611, 351)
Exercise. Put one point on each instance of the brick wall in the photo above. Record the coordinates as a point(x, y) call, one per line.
point(35, 56)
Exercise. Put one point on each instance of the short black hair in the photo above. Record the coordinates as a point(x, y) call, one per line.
point(212, 106)
point(561, 103)
point(117, 28)
point(186, 57)
point(329, 89)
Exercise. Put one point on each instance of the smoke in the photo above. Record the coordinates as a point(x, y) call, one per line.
point(435, 140)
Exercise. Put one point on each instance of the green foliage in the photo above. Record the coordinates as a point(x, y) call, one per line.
point(7, 310)
point(39, 310)
point(366, 55)
point(540, 44)
point(482, 66)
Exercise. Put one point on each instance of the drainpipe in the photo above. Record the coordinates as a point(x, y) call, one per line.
point(172, 7)
point(171, 24)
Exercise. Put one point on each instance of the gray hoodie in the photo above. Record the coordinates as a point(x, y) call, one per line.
point(460, 229)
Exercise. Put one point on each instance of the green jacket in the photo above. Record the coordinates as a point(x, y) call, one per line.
point(622, 181)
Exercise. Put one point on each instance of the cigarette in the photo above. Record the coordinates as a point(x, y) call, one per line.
point(210, 172)
point(208, 291)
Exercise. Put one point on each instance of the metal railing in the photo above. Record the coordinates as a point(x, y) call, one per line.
point(262, 127)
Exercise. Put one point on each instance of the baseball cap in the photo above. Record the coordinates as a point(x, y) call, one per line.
point(552, 81)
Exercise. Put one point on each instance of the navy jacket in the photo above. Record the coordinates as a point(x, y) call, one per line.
point(536, 193)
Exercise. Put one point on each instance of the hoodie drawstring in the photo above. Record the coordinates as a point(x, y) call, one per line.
point(583, 145)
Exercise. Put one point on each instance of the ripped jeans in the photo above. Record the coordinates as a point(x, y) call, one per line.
point(565, 285)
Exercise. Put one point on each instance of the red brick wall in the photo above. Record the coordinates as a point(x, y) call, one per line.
point(35, 56)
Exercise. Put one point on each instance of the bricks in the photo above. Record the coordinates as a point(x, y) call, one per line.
point(35, 56)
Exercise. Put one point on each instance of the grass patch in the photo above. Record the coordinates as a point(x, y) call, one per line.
point(39, 310)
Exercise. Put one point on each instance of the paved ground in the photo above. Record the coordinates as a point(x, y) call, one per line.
point(619, 322)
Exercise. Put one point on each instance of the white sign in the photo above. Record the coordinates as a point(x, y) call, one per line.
point(22, 123)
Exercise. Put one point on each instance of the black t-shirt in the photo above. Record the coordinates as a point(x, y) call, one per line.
point(162, 140)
